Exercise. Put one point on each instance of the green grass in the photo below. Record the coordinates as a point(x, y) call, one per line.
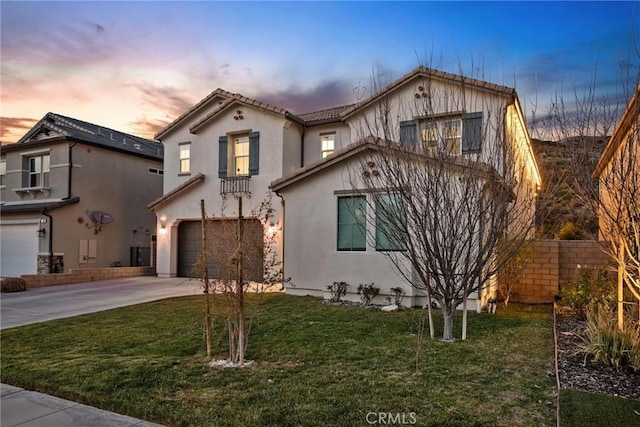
point(315, 364)
point(582, 409)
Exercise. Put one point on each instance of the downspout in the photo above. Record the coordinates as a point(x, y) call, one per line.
point(301, 154)
point(45, 213)
point(70, 175)
point(282, 288)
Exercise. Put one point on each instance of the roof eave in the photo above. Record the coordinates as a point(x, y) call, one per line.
point(176, 192)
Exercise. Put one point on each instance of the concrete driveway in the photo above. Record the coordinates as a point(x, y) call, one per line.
point(55, 302)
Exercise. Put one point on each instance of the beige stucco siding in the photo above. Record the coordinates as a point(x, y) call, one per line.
point(311, 256)
point(273, 128)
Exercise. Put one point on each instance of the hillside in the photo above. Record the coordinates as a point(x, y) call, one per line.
point(562, 164)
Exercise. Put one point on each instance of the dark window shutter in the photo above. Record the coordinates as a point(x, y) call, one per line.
point(472, 133)
point(223, 144)
point(254, 153)
point(408, 130)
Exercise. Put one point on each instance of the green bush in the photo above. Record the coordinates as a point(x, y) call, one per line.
point(570, 231)
point(590, 287)
point(13, 284)
point(606, 343)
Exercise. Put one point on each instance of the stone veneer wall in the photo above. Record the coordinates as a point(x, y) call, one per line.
point(556, 262)
point(85, 275)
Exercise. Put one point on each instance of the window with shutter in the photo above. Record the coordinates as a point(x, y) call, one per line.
point(408, 130)
point(254, 153)
point(222, 156)
point(472, 133)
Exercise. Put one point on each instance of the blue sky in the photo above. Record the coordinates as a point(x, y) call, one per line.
point(135, 66)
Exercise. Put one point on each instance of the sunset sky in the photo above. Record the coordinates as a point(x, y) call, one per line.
point(135, 66)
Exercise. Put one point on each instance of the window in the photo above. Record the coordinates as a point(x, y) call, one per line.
point(243, 151)
point(185, 157)
point(391, 222)
point(327, 143)
point(453, 137)
point(3, 172)
point(352, 223)
point(38, 171)
point(430, 136)
point(460, 134)
point(241, 155)
point(156, 171)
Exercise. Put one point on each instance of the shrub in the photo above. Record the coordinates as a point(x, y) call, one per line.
point(367, 292)
point(13, 284)
point(590, 287)
point(606, 343)
point(398, 295)
point(337, 290)
point(570, 231)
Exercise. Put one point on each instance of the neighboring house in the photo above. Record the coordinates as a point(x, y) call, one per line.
point(618, 174)
point(618, 171)
point(74, 195)
point(228, 139)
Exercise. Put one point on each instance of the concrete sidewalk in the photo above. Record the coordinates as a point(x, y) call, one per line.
point(19, 407)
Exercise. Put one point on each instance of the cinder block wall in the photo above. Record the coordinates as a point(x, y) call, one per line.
point(85, 275)
point(555, 262)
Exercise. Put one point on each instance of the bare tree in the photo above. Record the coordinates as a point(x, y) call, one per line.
point(609, 185)
point(451, 181)
point(619, 202)
point(247, 260)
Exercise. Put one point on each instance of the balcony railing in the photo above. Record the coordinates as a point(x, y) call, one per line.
point(235, 185)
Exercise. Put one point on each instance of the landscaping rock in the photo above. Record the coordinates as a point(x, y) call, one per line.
point(391, 307)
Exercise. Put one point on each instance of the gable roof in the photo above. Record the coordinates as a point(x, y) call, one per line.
point(219, 94)
point(55, 126)
point(237, 99)
point(630, 115)
point(426, 73)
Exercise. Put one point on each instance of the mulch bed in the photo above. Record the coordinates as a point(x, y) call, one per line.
point(578, 373)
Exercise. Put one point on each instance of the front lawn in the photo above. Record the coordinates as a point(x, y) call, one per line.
point(315, 364)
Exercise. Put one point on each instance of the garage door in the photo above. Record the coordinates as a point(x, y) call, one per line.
point(221, 246)
point(19, 249)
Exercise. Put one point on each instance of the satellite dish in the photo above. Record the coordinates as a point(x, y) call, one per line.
point(101, 217)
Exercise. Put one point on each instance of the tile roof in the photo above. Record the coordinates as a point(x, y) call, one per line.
point(324, 116)
point(37, 207)
point(237, 98)
point(93, 134)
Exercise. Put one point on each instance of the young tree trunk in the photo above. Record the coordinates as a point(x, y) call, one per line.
point(464, 313)
point(207, 310)
point(447, 315)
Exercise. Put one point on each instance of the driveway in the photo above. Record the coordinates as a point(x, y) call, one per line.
point(55, 302)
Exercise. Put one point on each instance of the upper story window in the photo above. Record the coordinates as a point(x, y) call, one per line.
point(185, 157)
point(239, 154)
point(453, 137)
point(327, 143)
point(38, 171)
point(454, 134)
point(352, 223)
point(3, 172)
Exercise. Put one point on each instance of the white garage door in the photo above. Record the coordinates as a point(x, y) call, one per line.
point(18, 249)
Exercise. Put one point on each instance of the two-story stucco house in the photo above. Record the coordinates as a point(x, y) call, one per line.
point(73, 195)
point(306, 160)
